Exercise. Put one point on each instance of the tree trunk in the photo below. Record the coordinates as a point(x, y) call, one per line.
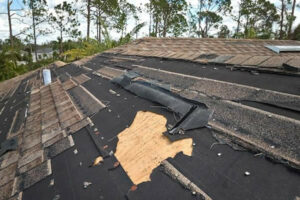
point(99, 26)
point(88, 18)
point(166, 24)
point(281, 20)
point(61, 42)
point(150, 23)
point(9, 23)
point(246, 31)
point(238, 23)
point(100, 32)
point(156, 26)
point(292, 20)
point(200, 32)
point(165, 30)
point(206, 28)
point(34, 34)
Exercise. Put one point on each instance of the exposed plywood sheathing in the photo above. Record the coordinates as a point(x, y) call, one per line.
point(142, 146)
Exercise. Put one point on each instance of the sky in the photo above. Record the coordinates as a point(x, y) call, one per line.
point(144, 17)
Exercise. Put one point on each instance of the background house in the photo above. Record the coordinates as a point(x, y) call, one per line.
point(43, 53)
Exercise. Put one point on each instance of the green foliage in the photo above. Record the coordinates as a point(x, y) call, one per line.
point(296, 33)
point(7, 64)
point(125, 10)
point(86, 48)
point(65, 20)
point(224, 32)
point(210, 14)
point(259, 17)
point(9, 67)
point(168, 17)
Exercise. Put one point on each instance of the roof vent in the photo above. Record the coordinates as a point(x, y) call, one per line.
point(279, 49)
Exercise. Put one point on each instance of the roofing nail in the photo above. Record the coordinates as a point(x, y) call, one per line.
point(75, 151)
point(208, 126)
point(51, 182)
point(169, 126)
point(112, 91)
point(247, 173)
point(86, 184)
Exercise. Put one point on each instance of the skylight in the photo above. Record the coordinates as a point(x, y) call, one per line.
point(279, 49)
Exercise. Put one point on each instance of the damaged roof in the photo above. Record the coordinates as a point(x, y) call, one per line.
point(156, 119)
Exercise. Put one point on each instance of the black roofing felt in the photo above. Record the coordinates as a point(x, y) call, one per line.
point(221, 177)
point(18, 100)
point(276, 82)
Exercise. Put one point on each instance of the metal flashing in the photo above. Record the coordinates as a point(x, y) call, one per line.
point(279, 49)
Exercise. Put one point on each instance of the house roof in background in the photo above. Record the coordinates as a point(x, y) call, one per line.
point(154, 119)
point(44, 50)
